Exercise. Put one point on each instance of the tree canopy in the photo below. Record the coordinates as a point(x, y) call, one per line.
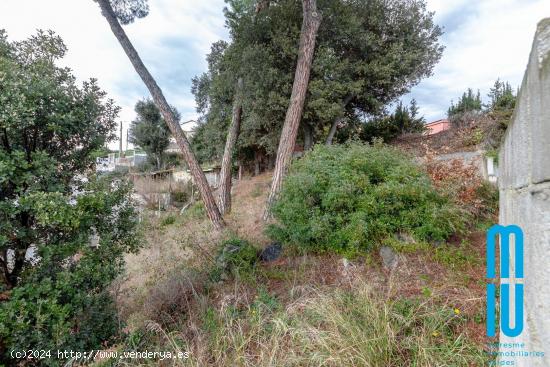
point(404, 119)
point(502, 101)
point(368, 53)
point(51, 210)
point(128, 10)
point(150, 132)
point(468, 102)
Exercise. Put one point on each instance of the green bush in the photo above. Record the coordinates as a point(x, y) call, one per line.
point(168, 220)
point(350, 197)
point(236, 256)
point(63, 231)
point(180, 196)
point(195, 211)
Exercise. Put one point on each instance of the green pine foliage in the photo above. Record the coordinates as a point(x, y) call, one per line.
point(469, 102)
point(502, 102)
point(368, 54)
point(150, 133)
point(404, 120)
point(349, 198)
point(54, 283)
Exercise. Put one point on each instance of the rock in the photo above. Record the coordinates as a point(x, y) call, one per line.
point(389, 257)
point(405, 237)
point(271, 252)
point(438, 243)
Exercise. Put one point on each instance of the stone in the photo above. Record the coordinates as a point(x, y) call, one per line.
point(525, 200)
point(405, 237)
point(271, 252)
point(389, 257)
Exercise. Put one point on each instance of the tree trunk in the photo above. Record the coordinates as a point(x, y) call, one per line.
point(257, 160)
point(224, 200)
point(333, 128)
point(167, 114)
point(308, 34)
point(308, 137)
point(337, 121)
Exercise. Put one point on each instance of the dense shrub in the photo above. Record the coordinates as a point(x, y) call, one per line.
point(404, 120)
point(63, 231)
point(235, 256)
point(350, 197)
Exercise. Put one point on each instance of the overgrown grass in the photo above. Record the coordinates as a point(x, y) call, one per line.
point(454, 257)
point(329, 327)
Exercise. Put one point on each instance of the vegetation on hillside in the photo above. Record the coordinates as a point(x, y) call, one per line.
point(63, 232)
point(71, 275)
point(150, 132)
point(213, 298)
point(404, 120)
point(367, 54)
point(492, 117)
point(349, 198)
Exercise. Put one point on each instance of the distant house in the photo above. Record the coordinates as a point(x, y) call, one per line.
point(437, 126)
point(114, 162)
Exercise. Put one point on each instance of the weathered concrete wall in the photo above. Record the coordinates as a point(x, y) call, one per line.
point(525, 198)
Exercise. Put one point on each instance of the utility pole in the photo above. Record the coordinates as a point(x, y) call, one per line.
point(120, 154)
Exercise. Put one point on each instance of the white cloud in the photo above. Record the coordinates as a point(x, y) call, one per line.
point(485, 39)
point(489, 39)
point(173, 42)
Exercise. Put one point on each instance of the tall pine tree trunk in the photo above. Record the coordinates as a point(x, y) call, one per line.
point(167, 114)
point(224, 200)
point(308, 34)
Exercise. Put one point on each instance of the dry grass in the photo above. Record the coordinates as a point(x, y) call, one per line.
point(189, 242)
point(301, 310)
point(249, 198)
point(321, 326)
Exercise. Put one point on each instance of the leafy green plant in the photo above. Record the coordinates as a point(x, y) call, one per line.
point(63, 231)
point(236, 256)
point(351, 197)
point(456, 257)
point(168, 220)
point(475, 138)
point(195, 211)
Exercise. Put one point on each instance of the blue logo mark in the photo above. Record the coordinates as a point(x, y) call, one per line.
point(504, 233)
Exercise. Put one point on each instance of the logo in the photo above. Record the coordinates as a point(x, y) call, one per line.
point(505, 232)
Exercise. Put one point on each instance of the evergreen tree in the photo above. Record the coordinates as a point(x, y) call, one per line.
point(150, 132)
point(403, 120)
point(63, 231)
point(367, 54)
point(469, 102)
point(117, 12)
point(502, 102)
point(468, 108)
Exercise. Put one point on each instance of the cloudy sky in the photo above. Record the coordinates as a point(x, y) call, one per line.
point(484, 39)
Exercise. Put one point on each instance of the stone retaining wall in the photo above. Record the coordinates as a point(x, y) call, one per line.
point(524, 183)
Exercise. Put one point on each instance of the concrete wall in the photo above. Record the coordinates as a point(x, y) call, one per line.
point(525, 198)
